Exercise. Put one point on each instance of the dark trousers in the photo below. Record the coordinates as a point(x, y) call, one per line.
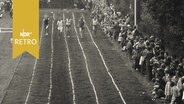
point(149, 71)
point(137, 66)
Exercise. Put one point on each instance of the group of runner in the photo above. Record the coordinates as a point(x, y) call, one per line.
point(61, 23)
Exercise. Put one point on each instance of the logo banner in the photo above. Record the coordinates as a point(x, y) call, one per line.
point(25, 27)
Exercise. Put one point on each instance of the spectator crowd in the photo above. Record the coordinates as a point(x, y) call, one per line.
point(6, 6)
point(147, 51)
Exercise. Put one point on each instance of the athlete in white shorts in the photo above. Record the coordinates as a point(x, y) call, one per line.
point(95, 23)
point(68, 24)
point(60, 24)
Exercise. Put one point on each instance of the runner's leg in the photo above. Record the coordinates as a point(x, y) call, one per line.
point(59, 33)
point(46, 30)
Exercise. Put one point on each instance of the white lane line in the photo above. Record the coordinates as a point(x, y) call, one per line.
point(100, 53)
point(5, 31)
point(31, 82)
point(87, 67)
point(69, 64)
point(6, 28)
point(34, 69)
point(51, 63)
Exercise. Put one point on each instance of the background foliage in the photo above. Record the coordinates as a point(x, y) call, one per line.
point(161, 18)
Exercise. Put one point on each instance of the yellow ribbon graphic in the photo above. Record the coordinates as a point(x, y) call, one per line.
point(26, 27)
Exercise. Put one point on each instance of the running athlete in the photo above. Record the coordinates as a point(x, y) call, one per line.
point(81, 24)
point(95, 23)
point(68, 24)
point(46, 25)
point(60, 24)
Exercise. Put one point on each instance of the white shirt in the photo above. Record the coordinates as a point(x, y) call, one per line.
point(95, 21)
point(60, 23)
point(68, 21)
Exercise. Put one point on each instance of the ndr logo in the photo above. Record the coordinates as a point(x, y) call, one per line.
point(25, 34)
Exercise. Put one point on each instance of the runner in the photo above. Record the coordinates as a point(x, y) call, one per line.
point(94, 23)
point(81, 24)
point(68, 24)
point(60, 24)
point(46, 25)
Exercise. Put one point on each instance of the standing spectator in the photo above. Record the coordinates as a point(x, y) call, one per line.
point(180, 88)
point(138, 47)
point(175, 94)
point(147, 60)
point(135, 32)
point(129, 47)
point(168, 92)
point(120, 38)
point(142, 60)
point(116, 30)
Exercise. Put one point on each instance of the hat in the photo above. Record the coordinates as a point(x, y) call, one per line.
point(159, 69)
point(157, 45)
point(180, 64)
point(156, 63)
point(152, 37)
point(156, 86)
point(141, 38)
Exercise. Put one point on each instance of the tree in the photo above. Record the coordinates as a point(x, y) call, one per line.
point(170, 15)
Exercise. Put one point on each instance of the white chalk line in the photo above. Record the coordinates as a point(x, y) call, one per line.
point(100, 53)
point(69, 64)
point(5, 30)
point(34, 69)
point(51, 65)
point(85, 58)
